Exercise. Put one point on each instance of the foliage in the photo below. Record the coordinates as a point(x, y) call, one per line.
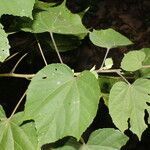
point(17, 8)
point(55, 19)
point(61, 102)
point(15, 136)
point(135, 58)
point(108, 38)
point(133, 103)
point(4, 44)
point(105, 139)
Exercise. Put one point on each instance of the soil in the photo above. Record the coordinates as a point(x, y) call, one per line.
point(129, 17)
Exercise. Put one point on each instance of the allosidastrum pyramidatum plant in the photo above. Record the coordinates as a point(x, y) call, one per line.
point(61, 102)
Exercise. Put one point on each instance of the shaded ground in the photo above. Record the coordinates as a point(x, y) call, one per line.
point(129, 17)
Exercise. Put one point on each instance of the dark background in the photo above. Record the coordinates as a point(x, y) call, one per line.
point(129, 17)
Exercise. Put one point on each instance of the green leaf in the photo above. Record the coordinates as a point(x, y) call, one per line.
point(146, 71)
point(18, 118)
point(2, 113)
point(108, 38)
point(55, 19)
point(129, 102)
point(30, 130)
point(132, 61)
point(105, 139)
point(61, 104)
point(43, 5)
point(14, 137)
point(4, 45)
point(17, 7)
point(108, 63)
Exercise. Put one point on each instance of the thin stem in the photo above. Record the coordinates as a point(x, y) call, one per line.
point(15, 75)
point(146, 66)
point(41, 51)
point(18, 104)
point(82, 140)
point(56, 48)
point(118, 71)
point(107, 71)
point(14, 68)
point(106, 54)
point(12, 56)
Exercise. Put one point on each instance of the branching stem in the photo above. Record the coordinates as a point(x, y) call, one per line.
point(15, 75)
point(29, 76)
point(118, 71)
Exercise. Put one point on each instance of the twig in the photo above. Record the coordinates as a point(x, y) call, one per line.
point(15, 75)
point(41, 51)
point(106, 54)
point(56, 48)
point(10, 57)
point(14, 68)
point(118, 71)
point(107, 71)
point(18, 104)
point(146, 66)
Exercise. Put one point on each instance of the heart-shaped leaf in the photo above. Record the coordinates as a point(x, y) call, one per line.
point(129, 102)
point(132, 61)
point(55, 19)
point(105, 139)
point(108, 38)
point(61, 104)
